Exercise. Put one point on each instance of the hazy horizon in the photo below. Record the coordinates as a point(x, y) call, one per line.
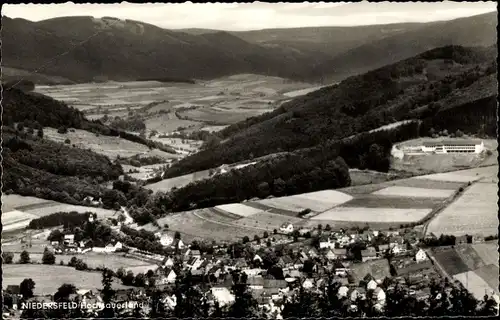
point(258, 15)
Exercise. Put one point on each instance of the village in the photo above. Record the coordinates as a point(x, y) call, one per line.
point(277, 266)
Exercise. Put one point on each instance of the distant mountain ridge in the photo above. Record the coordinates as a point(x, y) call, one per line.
point(126, 50)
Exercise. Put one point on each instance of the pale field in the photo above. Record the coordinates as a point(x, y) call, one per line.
point(301, 92)
point(177, 182)
point(222, 117)
point(238, 209)
point(17, 201)
point(488, 252)
point(415, 192)
point(267, 221)
point(95, 260)
point(475, 284)
point(29, 208)
point(474, 212)
point(61, 207)
point(316, 201)
point(213, 128)
point(463, 175)
point(49, 278)
point(196, 225)
point(15, 216)
point(368, 215)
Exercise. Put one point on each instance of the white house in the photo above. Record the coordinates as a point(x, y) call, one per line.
point(166, 240)
point(371, 285)
point(379, 296)
point(287, 228)
point(327, 243)
point(420, 256)
point(308, 284)
point(168, 262)
point(69, 239)
point(343, 291)
point(169, 276)
point(223, 295)
point(257, 258)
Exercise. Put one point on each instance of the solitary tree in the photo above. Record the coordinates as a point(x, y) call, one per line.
point(25, 257)
point(48, 257)
point(26, 288)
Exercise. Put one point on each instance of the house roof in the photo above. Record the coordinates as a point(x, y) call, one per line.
point(69, 236)
point(255, 281)
point(368, 253)
point(275, 284)
point(195, 252)
point(379, 269)
point(339, 251)
point(462, 142)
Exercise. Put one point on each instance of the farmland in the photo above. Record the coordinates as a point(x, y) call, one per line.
point(223, 101)
point(267, 221)
point(385, 215)
point(18, 211)
point(177, 182)
point(95, 260)
point(474, 265)
point(474, 212)
point(105, 145)
point(238, 209)
point(414, 192)
point(316, 201)
point(49, 278)
point(193, 225)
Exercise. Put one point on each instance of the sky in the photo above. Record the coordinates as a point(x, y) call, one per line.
point(257, 15)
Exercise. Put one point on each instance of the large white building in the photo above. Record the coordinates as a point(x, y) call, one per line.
point(453, 146)
point(442, 146)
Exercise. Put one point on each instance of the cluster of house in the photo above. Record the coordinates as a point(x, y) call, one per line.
point(70, 246)
point(412, 268)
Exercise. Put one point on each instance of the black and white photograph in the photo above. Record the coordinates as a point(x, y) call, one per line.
point(249, 160)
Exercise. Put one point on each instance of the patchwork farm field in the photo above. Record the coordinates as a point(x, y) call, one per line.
point(474, 212)
point(238, 209)
point(463, 175)
point(369, 215)
point(49, 278)
point(474, 265)
point(226, 100)
point(105, 145)
point(316, 201)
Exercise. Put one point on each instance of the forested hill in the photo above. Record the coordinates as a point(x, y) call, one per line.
point(37, 110)
point(426, 86)
point(308, 54)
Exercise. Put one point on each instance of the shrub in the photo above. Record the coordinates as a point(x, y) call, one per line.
point(67, 141)
point(62, 130)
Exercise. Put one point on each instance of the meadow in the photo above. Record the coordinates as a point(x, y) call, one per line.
point(474, 212)
point(48, 278)
point(111, 147)
point(474, 265)
point(315, 201)
point(112, 261)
